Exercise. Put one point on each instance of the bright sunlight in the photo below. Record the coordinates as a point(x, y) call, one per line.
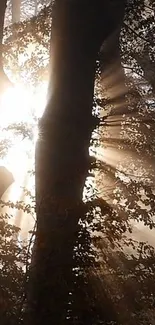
point(21, 107)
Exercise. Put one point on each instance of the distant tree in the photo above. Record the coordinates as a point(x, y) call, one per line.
point(2, 14)
point(35, 7)
point(3, 78)
point(16, 9)
point(6, 179)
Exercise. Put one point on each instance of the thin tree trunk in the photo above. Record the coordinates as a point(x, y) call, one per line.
point(16, 9)
point(62, 158)
point(4, 81)
point(35, 7)
point(2, 16)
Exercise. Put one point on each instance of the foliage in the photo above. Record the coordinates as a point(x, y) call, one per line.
point(13, 256)
point(26, 47)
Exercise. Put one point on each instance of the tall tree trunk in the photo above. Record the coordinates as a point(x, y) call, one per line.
point(62, 158)
point(16, 8)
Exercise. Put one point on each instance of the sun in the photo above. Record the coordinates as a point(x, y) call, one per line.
point(21, 104)
point(15, 105)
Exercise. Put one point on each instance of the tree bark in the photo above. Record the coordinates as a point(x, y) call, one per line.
point(62, 157)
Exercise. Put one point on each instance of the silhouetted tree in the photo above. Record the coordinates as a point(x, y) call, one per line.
point(62, 159)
